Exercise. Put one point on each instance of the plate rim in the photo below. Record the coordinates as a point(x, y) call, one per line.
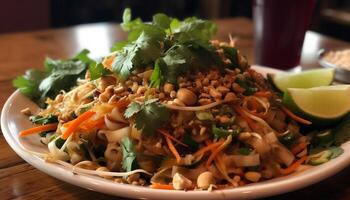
point(258, 190)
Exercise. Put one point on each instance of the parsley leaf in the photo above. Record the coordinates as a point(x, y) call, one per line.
point(129, 155)
point(148, 116)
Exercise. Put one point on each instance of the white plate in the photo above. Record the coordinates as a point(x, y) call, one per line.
point(12, 121)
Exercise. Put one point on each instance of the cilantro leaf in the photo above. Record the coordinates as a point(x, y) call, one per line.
point(37, 119)
point(144, 50)
point(157, 77)
point(148, 116)
point(193, 30)
point(232, 54)
point(97, 70)
point(28, 84)
point(129, 155)
point(175, 60)
point(63, 76)
point(161, 20)
point(119, 45)
point(132, 109)
point(220, 132)
point(58, 75)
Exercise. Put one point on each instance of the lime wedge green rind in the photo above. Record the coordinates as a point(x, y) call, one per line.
point(321, 105)
point(305, 79)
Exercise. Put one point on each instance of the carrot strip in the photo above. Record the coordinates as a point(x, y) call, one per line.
point(216, 152)
point(167, 134)
point(299, 147)
point(76, 122)
point(98, 123)
point(293, 166)
point(295, 117)
point(173, 149)
point(251, 124)
point(266, 94)
point(162, 186)
point(207, 148)
point(38, 129)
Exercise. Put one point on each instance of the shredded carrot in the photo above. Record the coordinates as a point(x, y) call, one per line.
point(214, 154)
point(299, 147)
point(167, 134)
point(293, 167)
point(207, 148)
point(162, 186)
point(250, 122)
point(88, 125)
point(173, 149)
point(38, 129)
point(295, 117)
point(76, 122)
point(266, 94)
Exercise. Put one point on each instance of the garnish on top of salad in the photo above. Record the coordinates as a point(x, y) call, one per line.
point(169, 108)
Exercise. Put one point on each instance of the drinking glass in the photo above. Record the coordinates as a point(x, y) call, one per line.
point(280, 27)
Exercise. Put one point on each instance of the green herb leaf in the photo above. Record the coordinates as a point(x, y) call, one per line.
point(190, 142)
point(132, 109)
point(28, 84)
point(249, 87)
point(129, 155)
point(157, 78)
point(232, 54)
point(97, 70)
point(59, 75)
point(63, 76)
point(219, 132)
point(161, 20)
point(244, 151)
point(342, 132)
point(148, 116)
point(119, 45)
point(37, 119)
point(143, 51)
point(336, 151)
point(60, 142)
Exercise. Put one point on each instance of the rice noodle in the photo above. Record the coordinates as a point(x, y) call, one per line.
point(79, 170)
point(266, 105)
point(246, 161)
point(195, 108)
point(258, 119)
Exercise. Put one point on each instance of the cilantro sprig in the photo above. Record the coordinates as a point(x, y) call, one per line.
point(172, 47)
point(148, 116)
point(58, 75)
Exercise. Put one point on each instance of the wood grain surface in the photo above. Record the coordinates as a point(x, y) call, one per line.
point(20, 51)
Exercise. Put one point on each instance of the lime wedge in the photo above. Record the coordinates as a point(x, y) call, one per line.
point(305, 79)
point(320, 105)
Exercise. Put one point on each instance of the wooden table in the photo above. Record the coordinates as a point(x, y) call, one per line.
point(20, 51)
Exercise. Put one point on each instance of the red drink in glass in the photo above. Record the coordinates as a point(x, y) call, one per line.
point(280, 27)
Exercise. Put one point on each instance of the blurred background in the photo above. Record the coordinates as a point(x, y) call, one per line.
point(331, 17)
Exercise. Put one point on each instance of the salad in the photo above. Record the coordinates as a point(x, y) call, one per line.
point(170, 108)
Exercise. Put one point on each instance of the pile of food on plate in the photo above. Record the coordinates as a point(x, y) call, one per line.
point(170, 108)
